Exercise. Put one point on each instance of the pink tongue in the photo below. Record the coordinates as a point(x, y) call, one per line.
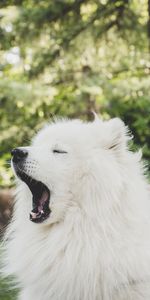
point(42, 201)
point(40, 206)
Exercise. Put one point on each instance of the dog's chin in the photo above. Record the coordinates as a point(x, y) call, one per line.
point(40, 196)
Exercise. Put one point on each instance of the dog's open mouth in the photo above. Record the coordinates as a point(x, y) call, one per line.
point(40, 198)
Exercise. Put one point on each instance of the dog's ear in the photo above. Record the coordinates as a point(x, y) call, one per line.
point(97, 118)
point(118, 134)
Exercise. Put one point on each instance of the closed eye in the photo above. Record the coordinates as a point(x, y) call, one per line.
point(59, 151)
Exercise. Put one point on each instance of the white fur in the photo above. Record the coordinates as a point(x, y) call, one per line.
point(96, 243)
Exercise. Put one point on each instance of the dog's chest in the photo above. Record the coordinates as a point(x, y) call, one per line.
point(61, 266)
point(71, 264)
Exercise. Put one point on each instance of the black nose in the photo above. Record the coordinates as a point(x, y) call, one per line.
point(18, 154)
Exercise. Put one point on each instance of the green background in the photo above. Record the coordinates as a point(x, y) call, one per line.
point(67, 58)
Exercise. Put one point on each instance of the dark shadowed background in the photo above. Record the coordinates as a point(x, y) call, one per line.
point(67, 58)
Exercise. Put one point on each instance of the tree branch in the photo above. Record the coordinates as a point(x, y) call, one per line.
point(65, 43)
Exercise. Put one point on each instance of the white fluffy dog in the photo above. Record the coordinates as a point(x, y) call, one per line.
point(87, 236)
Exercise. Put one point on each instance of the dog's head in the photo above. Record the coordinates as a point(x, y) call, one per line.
point(65, 160)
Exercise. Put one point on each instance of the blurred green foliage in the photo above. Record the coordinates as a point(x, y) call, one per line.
point(7, 289)
point(68, 57)
point(5, 292)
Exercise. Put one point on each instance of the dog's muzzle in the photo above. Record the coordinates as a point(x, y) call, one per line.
point(40, 192)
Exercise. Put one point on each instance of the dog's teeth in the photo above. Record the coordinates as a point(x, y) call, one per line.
point(33, 215)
